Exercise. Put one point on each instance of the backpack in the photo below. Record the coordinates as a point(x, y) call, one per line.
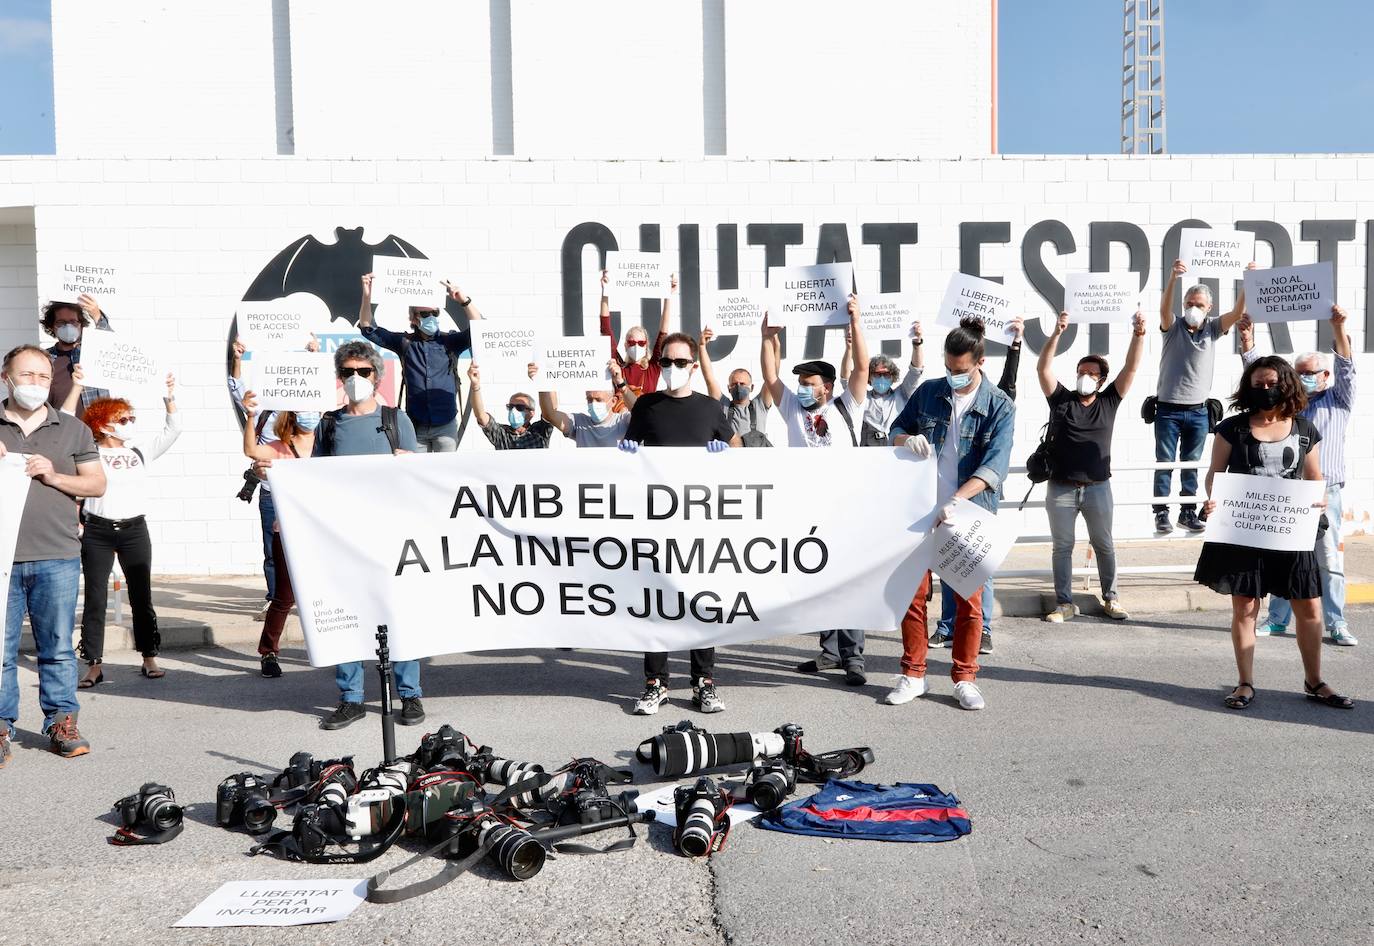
point(1039, 466)
point(324, 434)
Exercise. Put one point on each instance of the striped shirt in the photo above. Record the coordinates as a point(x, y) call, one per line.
point(534, 437)
point(1329, 410)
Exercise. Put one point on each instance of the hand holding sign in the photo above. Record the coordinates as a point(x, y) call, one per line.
point(967, 545)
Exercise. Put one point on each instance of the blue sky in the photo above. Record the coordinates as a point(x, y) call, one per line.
point(1241, 76)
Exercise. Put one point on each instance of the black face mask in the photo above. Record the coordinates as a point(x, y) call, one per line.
point(1263, 399)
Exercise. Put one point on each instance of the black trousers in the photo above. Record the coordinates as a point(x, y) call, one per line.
point(101, 542)
point(703, 665)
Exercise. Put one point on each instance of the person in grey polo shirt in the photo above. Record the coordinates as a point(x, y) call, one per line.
point(58, 454)
point(1186, 367)
point(600, 426)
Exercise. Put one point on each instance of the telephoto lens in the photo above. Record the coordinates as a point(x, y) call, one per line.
point(513, 849)
point(684, 749)
point(508, 772)
point(698, 808)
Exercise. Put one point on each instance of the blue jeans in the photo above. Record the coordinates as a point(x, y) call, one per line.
point(1333, 572)
point(349, 678)
point(948, 604)
point(1063, 503)
point(437, 438)
point(46, 591)
point(267, 512)
point(1179, 435)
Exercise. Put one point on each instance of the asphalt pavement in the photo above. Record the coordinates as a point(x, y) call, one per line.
point(1113, 798)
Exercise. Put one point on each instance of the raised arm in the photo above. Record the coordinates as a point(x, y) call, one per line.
point(604, 319)
point(73, 398)
point(1126, 378)
point(365, 309)
point(251, 448)
point(479, 410)
point(469, 307)
point(1340, 341)
point(708, 373)
point(1044, 365)
point(665, 321)
point(1238, 310)
point(770, 358)
point(912, 378)
point(858, 376)
point(1010, 365)
point(1166, 302)
point(548, 409)
point(171, 426)
point(847, 359)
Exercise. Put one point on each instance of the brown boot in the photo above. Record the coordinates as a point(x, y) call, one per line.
point(65, 739)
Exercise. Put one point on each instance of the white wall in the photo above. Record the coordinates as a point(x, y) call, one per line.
point(18, 272)
point(194, 233)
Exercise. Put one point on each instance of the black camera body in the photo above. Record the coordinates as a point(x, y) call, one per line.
point(303, 770)
point(245, 799)
point(152, 804)
point(317, 825)
point(791, 735)
point(701, 820)
point(767, 784)
point(251, 481)
point(446, 749)
point(588, 806)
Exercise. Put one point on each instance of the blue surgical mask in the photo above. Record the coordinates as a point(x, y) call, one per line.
point(958, 381)
point(882, 384)
point(516, 418)
point(430, 325)
point(307, 421)
point(598, 410)
point(807, 395)
point(1309, 382)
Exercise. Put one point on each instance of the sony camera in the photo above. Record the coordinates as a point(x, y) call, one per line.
point(245, 799)
point(251, 481)
point(767, 784)
point(701, 820)
point(152, 804)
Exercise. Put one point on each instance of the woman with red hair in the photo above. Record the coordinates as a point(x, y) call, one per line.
point(115, 527)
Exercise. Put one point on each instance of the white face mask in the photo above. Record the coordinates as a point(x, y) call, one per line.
point(1194, 315)
point(29, 396)
point(598, 410)
point(676, 378)
point(1087, 384)
point(68, 332)
point(124, 432)
point(636, 352)
point(357, 388)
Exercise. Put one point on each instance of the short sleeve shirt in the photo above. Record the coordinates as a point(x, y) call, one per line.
point(360, 435)
point(1082, 450)
point(746, 417)
point(1283, 458)
point(503, 436)
point(660, 420)
point(588, 433)
point(48, 529)
point(820, 428)
point(1188, 362)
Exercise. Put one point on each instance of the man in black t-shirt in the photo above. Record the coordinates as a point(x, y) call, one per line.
point(1081, 422)
point(678, 417)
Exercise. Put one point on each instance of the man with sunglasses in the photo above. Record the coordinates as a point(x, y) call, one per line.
point(679, 417)
point(522, 433)
point(429, 366)
point(365, 427)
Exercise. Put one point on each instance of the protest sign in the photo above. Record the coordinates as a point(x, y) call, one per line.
point(1265, 512)
point(631, 276)
point(967, 548)
point(733, 311)
point(888, 315)
point(294, 381)
point(664, 549)
point(406, 281)
point(14, 493)
point(810, 295)
point(503, 349)
point(273, 326)
point(121, 364)
point(1290, 293)
point(1101, 297)
point(572, 366)
point(1215, 254)
point(278, 903)
point(970, 296)
point(99, 278)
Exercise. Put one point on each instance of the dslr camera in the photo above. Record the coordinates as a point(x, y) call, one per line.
point(701, 820)
point(443, 750)
point(382, 790)
point(251, 481)
point(245, 799)
point(153, 804)
point(767, 784)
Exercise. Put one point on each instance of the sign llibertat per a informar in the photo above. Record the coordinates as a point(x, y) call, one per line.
point(803, 296)
point(973, 297)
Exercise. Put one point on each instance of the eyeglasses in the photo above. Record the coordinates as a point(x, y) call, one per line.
point(127, 420)
point(666, 362)
point(520, 407)
point(360, 372)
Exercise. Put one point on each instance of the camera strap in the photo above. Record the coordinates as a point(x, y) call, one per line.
point(123, 837)
point(823, 766)
point(451, 870)
point(283, 844)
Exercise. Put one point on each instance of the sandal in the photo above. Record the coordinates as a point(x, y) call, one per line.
point(1331, 699)
point(1237, 702)
point(88, 682)
point(152, 674)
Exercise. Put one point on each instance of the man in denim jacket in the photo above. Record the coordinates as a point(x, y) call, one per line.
point(972, 468)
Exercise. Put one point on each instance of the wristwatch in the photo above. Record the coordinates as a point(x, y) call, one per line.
point(916, 342)
point(465, 302)
point(620, 386)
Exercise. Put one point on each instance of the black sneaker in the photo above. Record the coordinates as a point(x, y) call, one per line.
point(939, 640)
point(854, 676)
point(270, 667)
point(345, 714)
point(412, 711)
point(816, 666)
point(1189, 521)
point(985, 643)
point(1162, 524)
point(65, 739)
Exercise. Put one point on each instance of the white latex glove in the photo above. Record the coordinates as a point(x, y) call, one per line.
point(919, 445)
point(946, 512)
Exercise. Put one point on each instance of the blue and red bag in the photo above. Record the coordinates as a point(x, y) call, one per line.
point(860, 810)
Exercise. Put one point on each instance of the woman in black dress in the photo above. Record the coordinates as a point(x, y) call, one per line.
point(1268, 438)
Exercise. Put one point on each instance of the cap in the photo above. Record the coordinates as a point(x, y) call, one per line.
point(823, 368)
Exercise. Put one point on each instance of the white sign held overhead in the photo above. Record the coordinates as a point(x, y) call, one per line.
point(966, 549)
point(406, 281)
point(733, 311)
point(99, 278)
point(973, 297)
point(1101, 297)
point(802, 296)
point(278, 903)
point(278, 325)
point(1265, 512)
point(632, 275)
point(572, 366)
point(1215, 254)
point(121, 364)
point(294, 381)
point(503, 349)
point(1290, 293)
point(887, 315)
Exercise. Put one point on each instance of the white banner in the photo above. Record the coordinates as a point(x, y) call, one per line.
point(294, 381)
point(973, 297)
point(733, 311)
point(810, 295)
point(572, 366)
point(121, 364)
point(1215, 254)
point(887, 315)
point(407, 281)
point(274, 326)
point(504, 348)
point(666, 549)
point(278, 903)
point(97, 277)
point(1290, 293)
point(1265, 512)
point(14, 494)
point(631, 275)
point(1101, 297)
point(966, 549)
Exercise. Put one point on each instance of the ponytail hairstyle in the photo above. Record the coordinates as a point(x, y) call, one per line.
point(967, 339)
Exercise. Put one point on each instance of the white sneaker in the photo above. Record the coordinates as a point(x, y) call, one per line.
point(655, 695)
point(906, 690)
point(969, 697)
point(1061, 613)
point(1113, 609)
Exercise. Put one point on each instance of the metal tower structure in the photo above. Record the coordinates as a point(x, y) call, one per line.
point(1142, 77)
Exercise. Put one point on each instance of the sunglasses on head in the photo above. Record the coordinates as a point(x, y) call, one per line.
point(666, 362)
point(360, 372)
